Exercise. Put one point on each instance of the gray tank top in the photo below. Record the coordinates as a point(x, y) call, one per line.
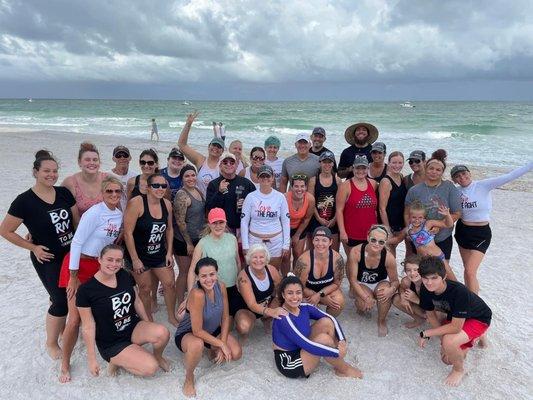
point(212, 314)
point(194, 218)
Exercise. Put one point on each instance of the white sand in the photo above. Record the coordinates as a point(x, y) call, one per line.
point(393, 366)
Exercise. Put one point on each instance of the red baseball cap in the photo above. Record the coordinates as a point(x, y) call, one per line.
point(216, 214)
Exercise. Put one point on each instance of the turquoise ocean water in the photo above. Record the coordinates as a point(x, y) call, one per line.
point(481, 133)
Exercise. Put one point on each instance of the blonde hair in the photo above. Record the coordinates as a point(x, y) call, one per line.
point(108, 180)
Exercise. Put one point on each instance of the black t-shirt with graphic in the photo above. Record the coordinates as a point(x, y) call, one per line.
point(113, 308)
point(457, 302)
point(50, 225)
point(349, 153)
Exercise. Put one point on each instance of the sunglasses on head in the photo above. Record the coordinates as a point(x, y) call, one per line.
point(373, 240)
point(149, 163)
point(158, 185)
point(121, 155)
point(299, 177)
point(228, 161)
point(412, 161)
point(258, 158)
point(111, 191)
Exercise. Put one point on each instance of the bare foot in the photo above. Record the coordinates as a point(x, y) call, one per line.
point(163, 363)
point(112, 369)
point(54, 351)
point(64, 375)
point(382, 329)
point(414, 323)
point(483, 342)
point(350, 372)
point(455, 377)
point(188, 388)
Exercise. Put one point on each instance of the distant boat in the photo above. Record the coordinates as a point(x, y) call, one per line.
point(30, 100)
point(185, 103)
point(407, 104)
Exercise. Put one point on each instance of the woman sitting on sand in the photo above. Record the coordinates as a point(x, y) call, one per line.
point(257, 284)
point(98, 227)
point(472, 232)
point(372, 274)
point(298, 345)
point(206, 323)
point(113, 318)
point(86, 185)
point(408, 298)
point(50, 214)
point(149, 163)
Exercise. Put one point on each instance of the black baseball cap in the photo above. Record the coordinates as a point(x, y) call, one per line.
point(175, 152)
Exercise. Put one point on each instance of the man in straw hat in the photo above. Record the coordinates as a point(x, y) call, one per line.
point(360, 136)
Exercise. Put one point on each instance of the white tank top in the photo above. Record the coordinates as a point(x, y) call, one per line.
point(206, 175)
point(247, 174)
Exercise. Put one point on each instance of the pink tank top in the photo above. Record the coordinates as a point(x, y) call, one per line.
point(360, 211)
point(83, 201)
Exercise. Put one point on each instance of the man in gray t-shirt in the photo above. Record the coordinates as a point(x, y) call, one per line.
point(302, 162)
point(432, 197)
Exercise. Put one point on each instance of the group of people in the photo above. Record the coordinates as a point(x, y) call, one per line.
point(253, 239)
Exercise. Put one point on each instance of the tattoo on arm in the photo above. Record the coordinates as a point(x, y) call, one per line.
point(180, 211)
point(299, 268)
point(339, 270)
point(241, 281)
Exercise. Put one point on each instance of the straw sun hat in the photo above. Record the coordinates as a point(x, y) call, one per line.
point(373, 133)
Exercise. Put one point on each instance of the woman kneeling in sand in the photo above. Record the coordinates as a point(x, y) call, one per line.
point(113, 317)
point(298, 345)
point(205, 324)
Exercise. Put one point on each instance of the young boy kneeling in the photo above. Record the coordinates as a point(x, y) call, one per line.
point(468, 317)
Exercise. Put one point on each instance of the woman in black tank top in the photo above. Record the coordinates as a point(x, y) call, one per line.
point(148, 234)
point(148, 161)
point(324, 187)
point(373, 276)
point(408, 298)
point(257, 284)
point(322, 270)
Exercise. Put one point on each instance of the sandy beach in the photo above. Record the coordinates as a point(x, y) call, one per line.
point(393, 366)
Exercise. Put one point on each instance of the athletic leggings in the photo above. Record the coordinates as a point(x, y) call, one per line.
point(49, 275)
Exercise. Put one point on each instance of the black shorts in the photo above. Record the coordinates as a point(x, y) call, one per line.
point(179, 338)
point(446, 247)
point(240, 304)
point(233, 300)
point(313, 224)
point(473, 237)
point(290, 363)
point(128, 265)
point(180, 248)
point(111, 351)
point(302, 236)
point(355, 242)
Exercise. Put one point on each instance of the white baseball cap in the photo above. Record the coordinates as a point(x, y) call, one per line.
point(302, 136)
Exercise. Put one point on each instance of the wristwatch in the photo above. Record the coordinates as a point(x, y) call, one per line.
point(322, 294)
point(424, 336)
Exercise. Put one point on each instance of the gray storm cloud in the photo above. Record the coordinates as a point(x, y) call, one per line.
point(273, 41)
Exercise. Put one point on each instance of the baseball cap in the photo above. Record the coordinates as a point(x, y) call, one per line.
point(216, 214)
point(227, 155)
point(319, 131)
point(217, 141)
point(327, 155)
point(121, 149)
point(458, 168)
point(265, 170)
point(379, 146)
point(417, 155)
point(175, 152)
point(360, 160)
point(302, 136)
point(322, 231)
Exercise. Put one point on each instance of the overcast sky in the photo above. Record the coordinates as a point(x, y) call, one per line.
point(313, 49)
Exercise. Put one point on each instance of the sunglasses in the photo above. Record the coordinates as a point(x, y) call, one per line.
point(121, 155)
point(111, 191)
point(158, 185)
point(149, 163)
point(373, 240)
point(299, 177)
point(228, 162)
point(412, 161)
point(258, 158)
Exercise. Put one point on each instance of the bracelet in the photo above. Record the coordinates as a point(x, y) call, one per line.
point(423, 336)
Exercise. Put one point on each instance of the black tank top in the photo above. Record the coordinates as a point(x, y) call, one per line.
point(372, 275)
point(325, 198)
point(382, 175)
point(412, 286)
point(396, 204)
point(136, 187)
point(409, 181)
point(150, 236)
point(317, 284)
point(261, 296)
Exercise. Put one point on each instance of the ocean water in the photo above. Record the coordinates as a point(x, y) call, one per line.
point(480, 133)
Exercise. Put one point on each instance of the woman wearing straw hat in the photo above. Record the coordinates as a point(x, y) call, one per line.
point(360, 136)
